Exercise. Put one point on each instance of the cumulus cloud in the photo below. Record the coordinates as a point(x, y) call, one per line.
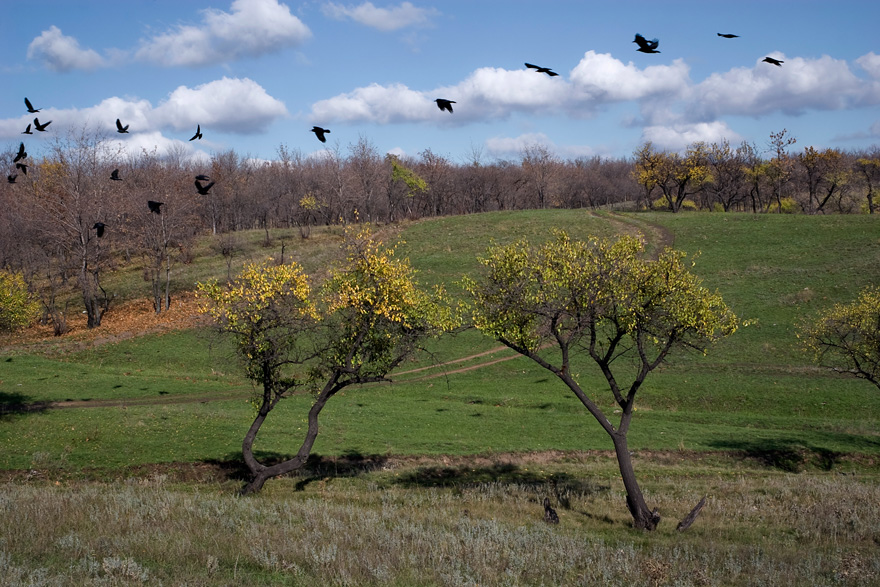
point(216, 106)
point(250, 29)
point(799, 85)
point(513, 147)
point(871, 64)
point(602, 78)
point(383, 19)
point(677, 137)
point(62, 53)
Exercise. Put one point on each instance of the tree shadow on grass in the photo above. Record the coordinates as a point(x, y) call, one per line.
point(786, 454)
point(12, 404)
point(317, 467)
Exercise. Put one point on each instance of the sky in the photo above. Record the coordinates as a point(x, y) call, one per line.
point(256, 75)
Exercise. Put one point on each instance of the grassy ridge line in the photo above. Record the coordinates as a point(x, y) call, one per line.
point(736, 399)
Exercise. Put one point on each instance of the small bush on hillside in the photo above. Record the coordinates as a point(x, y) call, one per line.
point(18, 308)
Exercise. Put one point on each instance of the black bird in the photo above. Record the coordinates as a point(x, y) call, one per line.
point(728, 35)
point(41, 127)
point(775, 62)
point(22, 167)
point(443, 104)
point(549, 513)
point(198, 134)
point(22, 154)
point(99, 226)
point(646, 46)
point(319, 132)
point(27, 131)
point(540, 69)
point(154, 206)
point(11, 178)
point(202, 177)
point(115, 175)
point(121, 129)
point(203, 189)
point(31, 109)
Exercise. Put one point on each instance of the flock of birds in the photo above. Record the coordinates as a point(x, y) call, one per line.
point(644, 46)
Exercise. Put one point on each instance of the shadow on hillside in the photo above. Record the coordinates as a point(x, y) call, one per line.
point(12, 404)
point(318, 467)
point(785, 454)
point(500, 473)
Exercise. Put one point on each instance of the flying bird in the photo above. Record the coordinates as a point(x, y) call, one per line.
point(22, 154)
point(202, 177)
point(728, 35)
point(22, 167)
point(540, 69)
point(121, 129)
point(776, 62)
point(115, 175)
point(198, 134)
point(319, 132)
point(550, 515)
point(99, 226)
point(11, 178)
point(31, 109)
point(646, 46)
point(41, 127)
point(27, 131)
point(154, 206)
point(443, 104)
point(203, 189)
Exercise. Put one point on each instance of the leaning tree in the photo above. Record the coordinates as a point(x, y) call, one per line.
point(603, 298)
point(358, 326)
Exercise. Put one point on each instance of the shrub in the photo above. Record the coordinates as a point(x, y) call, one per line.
point(18, 308)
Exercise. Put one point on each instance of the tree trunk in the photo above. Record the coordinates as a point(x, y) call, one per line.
point(261, 473)
point(643, 518)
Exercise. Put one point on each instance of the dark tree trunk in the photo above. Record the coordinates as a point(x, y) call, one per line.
point(643, 518)
point(260, 472)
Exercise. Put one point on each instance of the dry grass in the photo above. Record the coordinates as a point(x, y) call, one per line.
point(424, 523)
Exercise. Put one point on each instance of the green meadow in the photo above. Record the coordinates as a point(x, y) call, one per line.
point(156, 421)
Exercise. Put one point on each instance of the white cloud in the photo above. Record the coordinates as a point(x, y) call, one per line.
point(216, 105)
point(799, 85)
point(871, 64)
point(383, 19)
point(677, 137)
point(602, 78)
point(62, 53)
point(513, 147)
point(250, 29)
point(228, 104)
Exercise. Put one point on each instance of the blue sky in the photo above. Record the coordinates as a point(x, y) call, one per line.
point(256, 74)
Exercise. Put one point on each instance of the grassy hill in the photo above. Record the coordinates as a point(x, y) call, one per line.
point(121, 446)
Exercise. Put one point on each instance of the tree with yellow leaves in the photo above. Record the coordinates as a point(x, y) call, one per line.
point(604, 298)
point(846, 337)
point(676, 176)
point(356, 328)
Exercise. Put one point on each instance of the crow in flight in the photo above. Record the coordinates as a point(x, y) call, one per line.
point(99, 226)
point(121, 129)
point(550, 515)
point(31, 109)
point(202, 177)
point(22, 154)
point(646, 46)
point(319, 132)
point(539, 69)
point(728, 35)
point(203, 189)
point(11, 178)
point(154, 206)
point(41, 127)
point(445, 104)
point(198, 134)
point(27, 131)
point(775, 62)
point(115, 175)
point(22, 167)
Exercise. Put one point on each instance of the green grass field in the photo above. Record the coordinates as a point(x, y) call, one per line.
point(752, 422)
